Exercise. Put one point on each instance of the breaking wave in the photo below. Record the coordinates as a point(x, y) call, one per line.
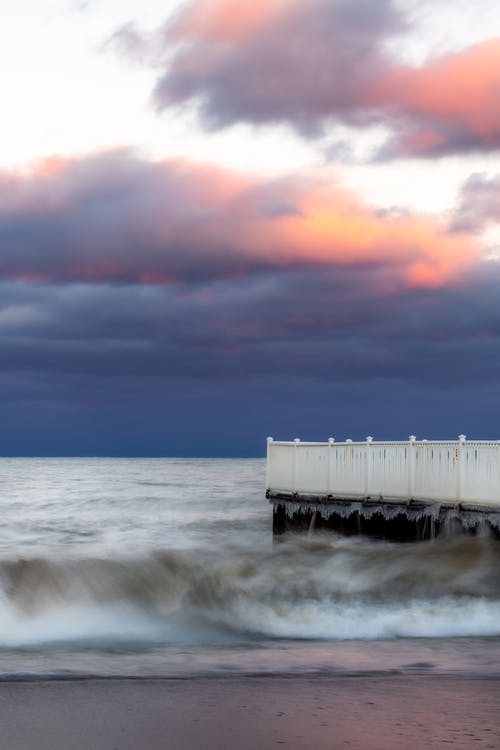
point(320, 588)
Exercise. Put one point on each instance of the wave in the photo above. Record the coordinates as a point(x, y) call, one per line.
point(321, 588)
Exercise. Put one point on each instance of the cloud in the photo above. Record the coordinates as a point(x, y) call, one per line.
point(331, 326)
point(479, 204)
point(451, 102)
point(300, 63)
point(143, 304)
point(116, 217)
point(308, 62)
point(115, 266)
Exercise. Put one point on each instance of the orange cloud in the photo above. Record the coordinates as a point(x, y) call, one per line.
point(331, 226)
point(115, 217)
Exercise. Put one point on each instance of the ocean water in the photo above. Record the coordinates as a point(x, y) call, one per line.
point(167, 567)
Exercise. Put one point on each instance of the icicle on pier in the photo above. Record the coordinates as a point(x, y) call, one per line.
point(401, 490)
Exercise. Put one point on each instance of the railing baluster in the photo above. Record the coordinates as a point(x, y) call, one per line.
point(411, 466)
point(295, 467)
point(460, 468)
point(368, 475)
point(330, 466)
point(268, 462)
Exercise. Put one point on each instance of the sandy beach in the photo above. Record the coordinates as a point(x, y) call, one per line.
point(373, 712)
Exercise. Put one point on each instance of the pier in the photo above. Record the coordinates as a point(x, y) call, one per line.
point(401, 490)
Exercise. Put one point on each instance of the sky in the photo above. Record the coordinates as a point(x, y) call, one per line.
point(222, 220)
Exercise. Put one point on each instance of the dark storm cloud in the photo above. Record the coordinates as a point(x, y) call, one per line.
point(311, 62)
point(332, 325)
point(212, 367)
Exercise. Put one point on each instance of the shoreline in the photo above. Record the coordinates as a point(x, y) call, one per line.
point(244, 676)
point(362, 711)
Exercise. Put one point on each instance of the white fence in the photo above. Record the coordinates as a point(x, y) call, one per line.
point(457, 471)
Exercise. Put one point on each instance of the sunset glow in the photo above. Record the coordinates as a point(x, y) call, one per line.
point(234, 213)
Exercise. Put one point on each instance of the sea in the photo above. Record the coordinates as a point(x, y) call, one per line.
point(167, 567)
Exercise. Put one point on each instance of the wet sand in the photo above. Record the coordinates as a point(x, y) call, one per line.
point(371, 712)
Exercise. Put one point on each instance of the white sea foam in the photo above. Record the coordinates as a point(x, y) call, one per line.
point(168, 566)
point(327, 588)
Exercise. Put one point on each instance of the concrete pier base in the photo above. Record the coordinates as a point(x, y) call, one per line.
point(391, 520)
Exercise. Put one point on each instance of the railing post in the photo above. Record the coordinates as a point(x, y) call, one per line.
point(268, 463)
point(411, 467)
point(330, 466)
point(460, 468)
point(368, 475)
point(295, 448)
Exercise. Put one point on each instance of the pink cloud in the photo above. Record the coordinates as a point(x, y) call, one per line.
point(223, 21)
point(119, 218)
point(455, 97)
point(309, 61)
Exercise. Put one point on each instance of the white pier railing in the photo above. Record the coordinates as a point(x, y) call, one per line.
point(452, 471)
